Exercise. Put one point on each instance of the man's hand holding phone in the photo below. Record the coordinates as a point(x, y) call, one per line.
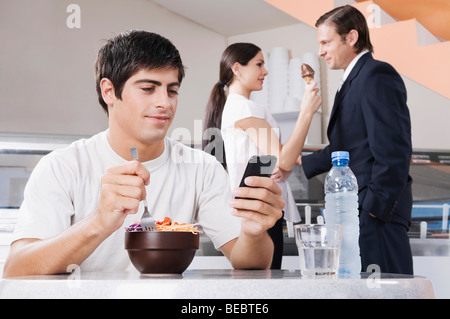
point(258, 201)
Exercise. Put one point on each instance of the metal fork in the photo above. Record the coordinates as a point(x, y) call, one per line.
point(147, 221)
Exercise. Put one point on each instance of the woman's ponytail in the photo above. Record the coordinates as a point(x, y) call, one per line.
point(212, 142)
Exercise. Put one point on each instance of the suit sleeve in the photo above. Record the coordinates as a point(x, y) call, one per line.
point(317, 163)
point(387, 120)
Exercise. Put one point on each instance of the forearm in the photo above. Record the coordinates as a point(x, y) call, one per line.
point(54, 255)
point(252, 252)
point(294, 146)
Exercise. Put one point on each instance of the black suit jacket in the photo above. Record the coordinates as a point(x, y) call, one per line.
point(370, 120)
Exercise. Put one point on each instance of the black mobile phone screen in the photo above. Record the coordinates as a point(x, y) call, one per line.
point(259, 166)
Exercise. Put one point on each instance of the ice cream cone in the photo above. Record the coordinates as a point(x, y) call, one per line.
point(307, 73)
point(308, 79)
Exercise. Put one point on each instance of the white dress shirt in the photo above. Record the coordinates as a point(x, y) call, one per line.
point(350, 67)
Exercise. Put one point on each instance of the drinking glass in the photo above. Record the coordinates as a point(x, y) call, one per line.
point(318, 249)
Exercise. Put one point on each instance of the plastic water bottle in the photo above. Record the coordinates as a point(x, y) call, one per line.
point(341, 207)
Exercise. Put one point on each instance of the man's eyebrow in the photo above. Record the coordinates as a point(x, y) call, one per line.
point(156, 82)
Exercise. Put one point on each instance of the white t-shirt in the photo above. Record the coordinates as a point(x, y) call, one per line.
point(239, 147)
point(186, 185)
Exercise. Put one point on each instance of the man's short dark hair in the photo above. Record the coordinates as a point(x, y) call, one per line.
point(128, 53)
point(345, 19)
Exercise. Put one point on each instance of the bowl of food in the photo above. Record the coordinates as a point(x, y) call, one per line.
point(169, 250)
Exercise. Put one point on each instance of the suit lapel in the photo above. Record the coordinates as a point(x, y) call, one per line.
point(346, 86)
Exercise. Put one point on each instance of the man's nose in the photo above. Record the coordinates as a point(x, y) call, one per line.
point(321, 51)
point(162, 100)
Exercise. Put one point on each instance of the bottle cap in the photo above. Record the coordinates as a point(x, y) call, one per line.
point(340, 155)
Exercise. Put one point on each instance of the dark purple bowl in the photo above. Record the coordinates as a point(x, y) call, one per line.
point(161, 252)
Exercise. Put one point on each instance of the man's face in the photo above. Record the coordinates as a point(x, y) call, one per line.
point(337, 53)
point(148, 106)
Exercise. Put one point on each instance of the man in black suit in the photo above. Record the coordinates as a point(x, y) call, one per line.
point(370, 120)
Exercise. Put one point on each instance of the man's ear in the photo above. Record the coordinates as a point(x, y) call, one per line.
point(352, 37)
point(108, 92)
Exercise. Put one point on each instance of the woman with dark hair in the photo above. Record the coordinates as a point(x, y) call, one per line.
point(249, 129)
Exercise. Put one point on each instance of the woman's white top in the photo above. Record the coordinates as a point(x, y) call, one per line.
point(239, 147)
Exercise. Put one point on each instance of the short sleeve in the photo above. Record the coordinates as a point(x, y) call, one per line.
point(249, 109)
point(47, 208)
point(214, 213)
point(238, 108)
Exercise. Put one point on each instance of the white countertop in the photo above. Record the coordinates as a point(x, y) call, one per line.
point(215, 284)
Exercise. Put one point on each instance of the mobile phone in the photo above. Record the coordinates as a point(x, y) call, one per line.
point(259, 166)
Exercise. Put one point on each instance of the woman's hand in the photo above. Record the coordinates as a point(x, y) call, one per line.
point(280, 175)
point(311, 101)
point(299, 161)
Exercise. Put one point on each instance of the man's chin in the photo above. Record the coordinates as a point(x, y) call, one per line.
point(332, 67)
point(153, 136)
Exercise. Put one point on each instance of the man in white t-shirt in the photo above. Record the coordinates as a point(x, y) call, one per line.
point(79, 199)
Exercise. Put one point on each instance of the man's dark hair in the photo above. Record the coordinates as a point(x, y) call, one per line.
point(345, 19)
point(127, 53)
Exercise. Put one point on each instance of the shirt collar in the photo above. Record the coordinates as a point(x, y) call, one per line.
point(351, 65)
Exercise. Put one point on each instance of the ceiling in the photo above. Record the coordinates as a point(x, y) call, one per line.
point(432, 14)
point(230, 17)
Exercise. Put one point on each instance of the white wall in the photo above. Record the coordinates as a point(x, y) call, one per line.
point(430, 116)
point(47, 70)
